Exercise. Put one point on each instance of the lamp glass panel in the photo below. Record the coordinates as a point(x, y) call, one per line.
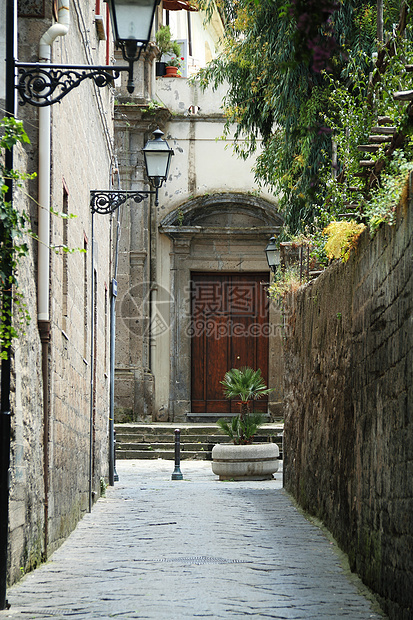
point(273, 258)
point(273, 254)
point(157, 162)
point(133, 19)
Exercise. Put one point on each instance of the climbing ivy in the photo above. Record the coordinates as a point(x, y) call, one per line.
point(13, 247)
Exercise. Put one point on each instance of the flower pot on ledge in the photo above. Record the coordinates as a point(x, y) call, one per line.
point(171, 71)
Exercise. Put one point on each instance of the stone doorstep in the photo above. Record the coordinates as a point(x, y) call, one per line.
point(205, 418)
point(148, 436)
point(127, 433)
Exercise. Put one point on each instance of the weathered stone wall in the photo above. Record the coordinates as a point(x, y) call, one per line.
point(349, 410)
point(81, 155)
point(50, 479)
point(26, 480)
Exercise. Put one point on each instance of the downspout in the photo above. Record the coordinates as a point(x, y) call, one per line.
point(113, 476)
point(58, 29)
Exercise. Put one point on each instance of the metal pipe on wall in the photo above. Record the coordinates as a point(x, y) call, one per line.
point(58, 29)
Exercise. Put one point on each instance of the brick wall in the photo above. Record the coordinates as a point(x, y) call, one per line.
point(349, 408)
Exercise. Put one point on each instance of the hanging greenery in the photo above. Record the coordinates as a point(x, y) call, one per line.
point(284, 63)
point(13, 227)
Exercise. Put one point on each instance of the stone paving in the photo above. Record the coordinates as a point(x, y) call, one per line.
point(159, 549)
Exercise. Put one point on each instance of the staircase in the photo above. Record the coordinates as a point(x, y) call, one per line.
point(157, 440)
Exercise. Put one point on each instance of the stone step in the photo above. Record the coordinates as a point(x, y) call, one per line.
point(185, 446)
point(368, 148)
point(403, 95)
point(380, 139)
point(157, 440)
point(167, 428)
point(384, 130)
point(384, 120)
point(188, 445)
point(167, 455)
point(143, 435)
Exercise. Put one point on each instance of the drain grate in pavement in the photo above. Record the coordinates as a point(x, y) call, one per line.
point(201, 559)
point(44, 613)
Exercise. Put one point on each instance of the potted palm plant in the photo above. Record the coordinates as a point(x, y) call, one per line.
point(243, 460)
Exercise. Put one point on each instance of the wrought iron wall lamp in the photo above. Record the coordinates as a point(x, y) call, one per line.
point(157, 155)
point(273, 255)
point(42, 84)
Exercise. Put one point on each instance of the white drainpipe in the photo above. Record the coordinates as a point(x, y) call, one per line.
point(58, 29)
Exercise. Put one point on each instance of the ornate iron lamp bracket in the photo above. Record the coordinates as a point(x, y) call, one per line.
point(42, 84)
point(107, 201)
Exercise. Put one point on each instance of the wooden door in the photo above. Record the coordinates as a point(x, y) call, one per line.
point(229, 329)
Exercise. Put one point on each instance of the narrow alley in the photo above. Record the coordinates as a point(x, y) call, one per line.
point(159, 549)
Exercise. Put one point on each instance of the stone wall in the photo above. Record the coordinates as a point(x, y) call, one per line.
point(51, 459)
point(349, 410)
point(26, 472)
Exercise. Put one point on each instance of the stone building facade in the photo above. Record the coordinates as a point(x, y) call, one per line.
point(60, 390)
point(208, 234)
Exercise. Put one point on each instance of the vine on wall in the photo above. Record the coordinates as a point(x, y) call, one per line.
point(13, 247)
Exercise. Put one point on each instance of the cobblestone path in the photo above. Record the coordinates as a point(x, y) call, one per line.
point(159, 549)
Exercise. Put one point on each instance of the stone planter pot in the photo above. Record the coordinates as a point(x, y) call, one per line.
point(252, 462)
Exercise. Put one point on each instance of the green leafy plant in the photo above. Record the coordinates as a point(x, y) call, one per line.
point(241, 432)
point(247, 385)
point(180, 217)
point(271, 61)
point(307, 82)
point(382, 206)
point(13, 226)
point(175, 61)
point(153, 106)
point(167, 47)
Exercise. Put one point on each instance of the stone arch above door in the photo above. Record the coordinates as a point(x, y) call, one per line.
point(238, 211)
point(215, 233)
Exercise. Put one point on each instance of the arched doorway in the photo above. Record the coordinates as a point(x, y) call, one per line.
point(218, 250)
